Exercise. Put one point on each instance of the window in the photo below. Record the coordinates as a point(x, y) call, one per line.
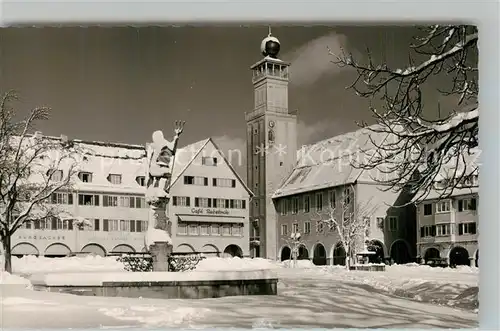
point(283, 206)
point(97, 224)
point(331, 198)
point(88, 199)
point(347, 196)
point(204, 230)
point(443, 206)
point(132, 226)
point(203, 202)
point(141, 180)
point(393, 223)
point(427, 209)
point(443, 230)
point(124, 202)
point(115, 179)
point(61, 198)
point(295, 205)
point(236, 230)
point(215, 229)
point(57, 175)
point(181, 201)
point(319, 201)
point(428, 231)
point(209, 161)
point(467, 204)
point(193, 230)
point(182, 228)
point(238, 204)
point(284, 229)
point(220, 203)
point(226, 230)
point(196, 180)
point(380, 223)
point(319, 226)
point(295, 227)
point(124, 226)
point(85, 177)
point(110, 201)
point(307, 203)
point(224, 182)
point(467, 228)
point(307, 227)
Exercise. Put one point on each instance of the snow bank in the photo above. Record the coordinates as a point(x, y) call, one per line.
point(8, 279)
point(234, 263)
point(156, 235)
point(302, 264)
point(28, 265)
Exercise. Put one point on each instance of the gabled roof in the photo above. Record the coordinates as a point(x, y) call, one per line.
point(194, 150)
point(232, 169)
point(185, 156)
point(328, 163)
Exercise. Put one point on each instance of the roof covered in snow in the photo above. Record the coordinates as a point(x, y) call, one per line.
point(328, 163)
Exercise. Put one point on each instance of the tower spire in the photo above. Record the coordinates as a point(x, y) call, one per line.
point(269, 34)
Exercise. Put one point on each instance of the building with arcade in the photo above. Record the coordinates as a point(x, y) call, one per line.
point(208, 208)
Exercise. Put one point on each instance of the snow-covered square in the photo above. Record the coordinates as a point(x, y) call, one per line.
point(406, 296)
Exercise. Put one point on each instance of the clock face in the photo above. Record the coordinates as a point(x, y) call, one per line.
point(271, 124)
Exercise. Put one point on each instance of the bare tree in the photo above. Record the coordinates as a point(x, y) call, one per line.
point(295, 242)
point(32, 168)
point(350, 220)
point(423, 149)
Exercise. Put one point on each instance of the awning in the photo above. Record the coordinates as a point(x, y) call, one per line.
point(211, 219)
point(57, 249)
point(24, 249)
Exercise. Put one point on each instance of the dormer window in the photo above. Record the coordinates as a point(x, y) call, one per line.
point(141, 180)
point(115, 179)
point(85, 177)
point(57, 175)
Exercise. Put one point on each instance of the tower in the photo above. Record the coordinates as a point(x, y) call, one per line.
point(271, 145)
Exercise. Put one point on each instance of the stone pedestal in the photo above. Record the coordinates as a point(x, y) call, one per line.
point(160, 251)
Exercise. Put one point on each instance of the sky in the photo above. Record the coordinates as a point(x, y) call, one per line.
point(121, 84)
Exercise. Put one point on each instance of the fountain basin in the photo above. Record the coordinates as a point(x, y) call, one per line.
point(160, 285)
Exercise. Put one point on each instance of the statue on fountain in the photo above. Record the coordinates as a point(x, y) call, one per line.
point(160, 163)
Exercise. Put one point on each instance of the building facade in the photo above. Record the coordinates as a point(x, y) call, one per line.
point(448, 228)
point(323, 185)
point(109, 192)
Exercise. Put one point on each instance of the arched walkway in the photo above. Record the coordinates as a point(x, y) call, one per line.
point(400, 253)
point(57, 250)
point(339, 254)
point(459, 256)
point(286, 253)
point(123, 248)
point(319, 254)
point(94, 249)
point(22, 249)
point(377, 247)
point(210, 250)
point(233, 250)
point(303, 253)
point(431, 254)
point(185, 248)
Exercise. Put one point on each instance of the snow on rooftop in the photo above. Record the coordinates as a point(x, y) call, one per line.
point(328, 162)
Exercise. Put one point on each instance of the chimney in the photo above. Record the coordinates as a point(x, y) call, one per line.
point(37, 135)
point(64, 139)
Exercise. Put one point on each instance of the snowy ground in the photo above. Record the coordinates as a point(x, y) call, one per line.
point(308, 296)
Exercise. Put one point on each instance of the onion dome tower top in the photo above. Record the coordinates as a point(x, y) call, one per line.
point(270, 46)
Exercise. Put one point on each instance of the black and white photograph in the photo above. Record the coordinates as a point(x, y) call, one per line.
point(239, 176)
